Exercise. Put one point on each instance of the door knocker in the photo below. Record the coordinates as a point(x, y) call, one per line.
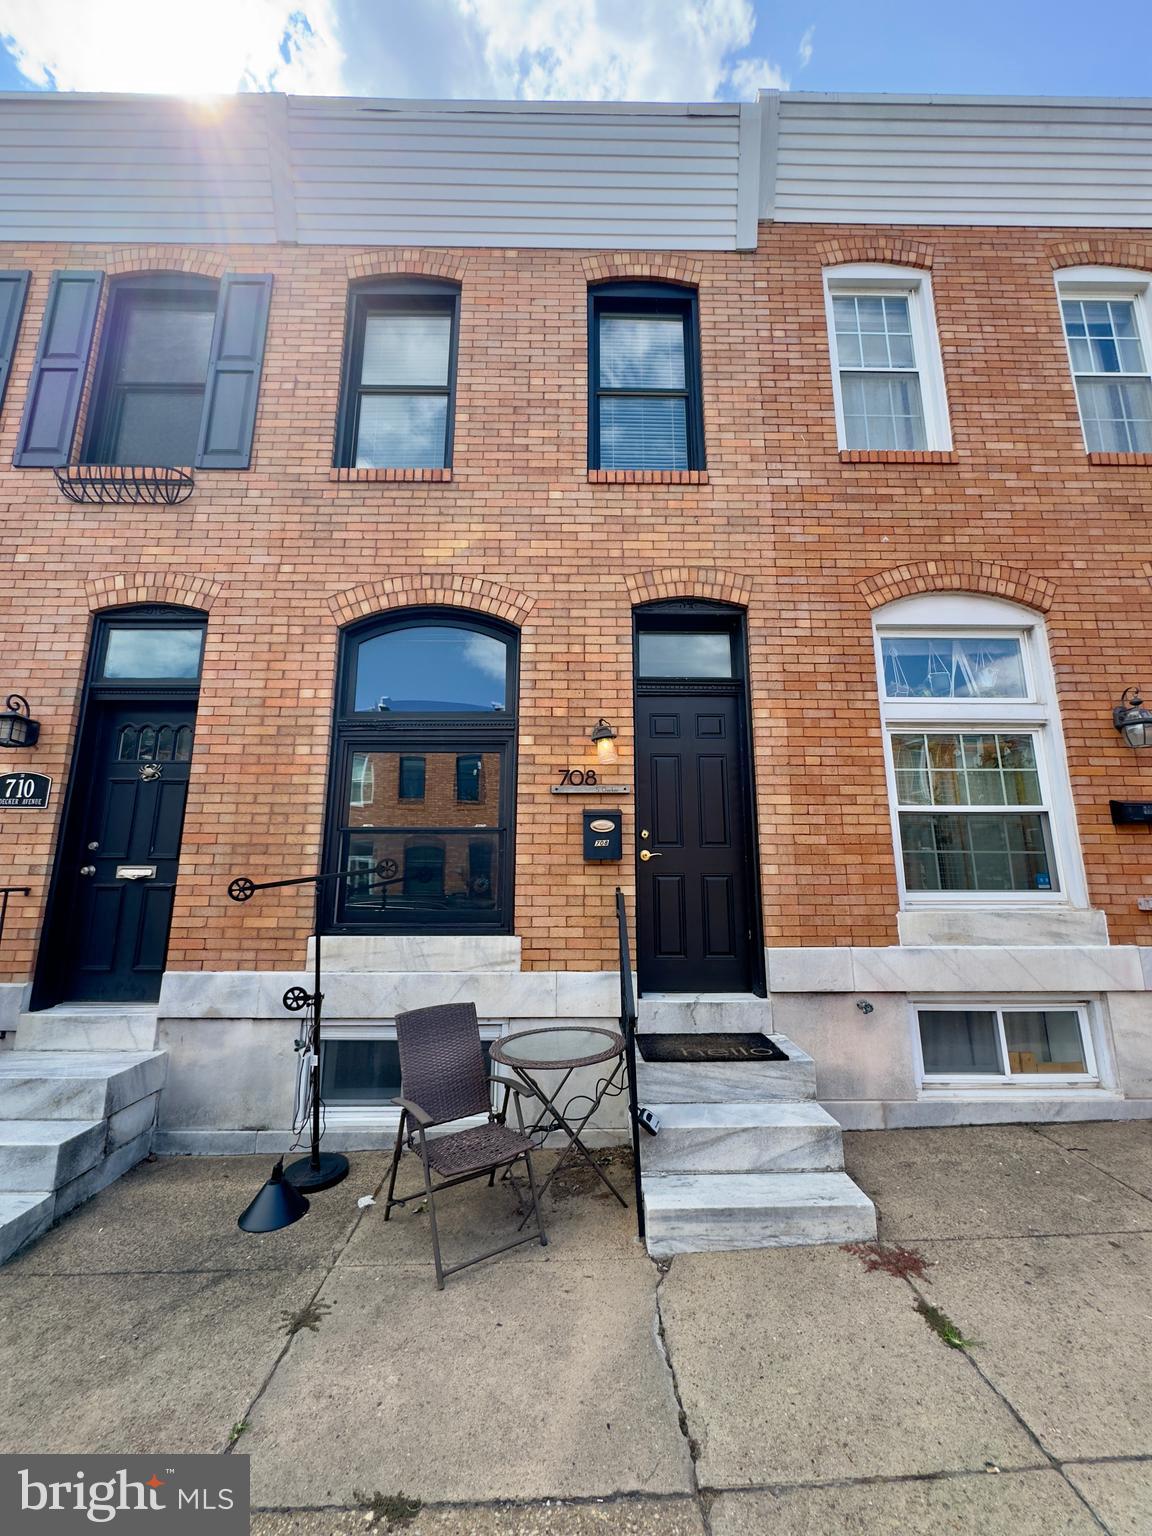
point(150, 771)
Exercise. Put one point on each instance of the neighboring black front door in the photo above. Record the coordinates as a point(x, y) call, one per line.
point(124, 851)
point(695, 918)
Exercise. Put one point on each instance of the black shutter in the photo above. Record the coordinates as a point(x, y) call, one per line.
point(57, 383)
point(13, 291)
point(234, 372)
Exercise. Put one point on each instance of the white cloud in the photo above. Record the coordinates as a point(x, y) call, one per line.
point(752, 75)
point(804, 48)
point(157, 45)
point(597, 50)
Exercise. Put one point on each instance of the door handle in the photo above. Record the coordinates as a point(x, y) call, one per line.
point(87, 869)
point(645, 855)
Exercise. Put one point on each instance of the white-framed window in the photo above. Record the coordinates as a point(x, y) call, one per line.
point(981, 808)
point(363, 790)
point(977, 1043)
point(1107, 317)
point(887, 377)
point(360, 1074)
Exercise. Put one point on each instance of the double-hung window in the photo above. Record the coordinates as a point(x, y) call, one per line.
point(888, 383)
point(1108, 327)
point(644, 372)
point(979, 795)
point(399, 376)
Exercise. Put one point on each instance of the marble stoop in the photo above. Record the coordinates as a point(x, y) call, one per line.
point(87, 1029)
point(704, 1013)
point(70, 1123)
point(744, 1157)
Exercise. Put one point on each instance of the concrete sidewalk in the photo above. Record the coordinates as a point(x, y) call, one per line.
point(582, 1388)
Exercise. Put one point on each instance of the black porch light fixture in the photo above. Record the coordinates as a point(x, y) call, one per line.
point(17, 727)
point(604, 737)
point(278, 1204)
point(1133, 719)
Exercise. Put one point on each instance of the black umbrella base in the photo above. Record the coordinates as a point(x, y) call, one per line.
point(308, 1178)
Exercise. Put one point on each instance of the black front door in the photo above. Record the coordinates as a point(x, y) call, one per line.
point(695, 918)
point(123, 852)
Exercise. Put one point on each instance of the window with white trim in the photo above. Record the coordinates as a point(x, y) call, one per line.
point(1107, 317)
point(980, 804)
point(1009, 1043)
point(887, 377)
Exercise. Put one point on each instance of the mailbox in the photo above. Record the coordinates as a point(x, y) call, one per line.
point(1131, 813)
point(603, 834)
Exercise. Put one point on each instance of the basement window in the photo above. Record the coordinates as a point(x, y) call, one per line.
point(1006, 1044)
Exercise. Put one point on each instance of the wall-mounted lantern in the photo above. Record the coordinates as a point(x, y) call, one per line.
point(17, 727)
point(604, 735)
point(1132, 719)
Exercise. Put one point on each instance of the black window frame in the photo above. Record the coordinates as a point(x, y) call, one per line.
point(405, 759)
point(465, 733)
point(103, 417)
point(642, 301)
point(409, 295)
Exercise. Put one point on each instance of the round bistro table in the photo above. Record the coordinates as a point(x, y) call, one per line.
point(563, 1049)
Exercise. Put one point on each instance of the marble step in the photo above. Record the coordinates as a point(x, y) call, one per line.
point(705, 1212)
point(743, 1138)
point(709, 1013)
point(76, 1085)
point(728, 1082)
point(24, 1217)
point(87, 1029)
point(43, 1154)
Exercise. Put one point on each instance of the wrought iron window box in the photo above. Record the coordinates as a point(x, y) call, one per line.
point(125, 484)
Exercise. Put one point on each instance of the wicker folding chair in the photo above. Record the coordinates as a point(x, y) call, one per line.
point(442, 1079)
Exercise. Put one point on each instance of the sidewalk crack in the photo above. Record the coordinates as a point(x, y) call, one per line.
point(703, 1502)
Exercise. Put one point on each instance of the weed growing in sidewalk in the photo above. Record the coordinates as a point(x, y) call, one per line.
point(237, 1430)
point(942, 1325)
point(395, 1509)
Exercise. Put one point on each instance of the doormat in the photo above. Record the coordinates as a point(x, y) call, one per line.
point(709, 1048)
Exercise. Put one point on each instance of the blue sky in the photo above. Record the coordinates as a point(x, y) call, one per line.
point(576, 49)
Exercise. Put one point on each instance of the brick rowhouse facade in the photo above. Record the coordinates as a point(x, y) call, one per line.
point(808, 538)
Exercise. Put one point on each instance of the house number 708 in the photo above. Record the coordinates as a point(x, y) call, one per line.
point(578, 776)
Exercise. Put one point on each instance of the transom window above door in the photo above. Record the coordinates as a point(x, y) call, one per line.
point(431, 669)
point(645, 408)
point(399, 376)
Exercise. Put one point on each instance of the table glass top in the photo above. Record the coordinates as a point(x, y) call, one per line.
point(559, 1047)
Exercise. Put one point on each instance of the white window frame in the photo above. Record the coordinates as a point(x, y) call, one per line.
point(971, 615)
point(867, 279)
point(974, 1082)
point(1106, 283)
point(376, 1116)
point(365, 792)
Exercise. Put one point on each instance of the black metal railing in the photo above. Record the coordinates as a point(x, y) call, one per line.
point(628, 1030)
point(5, 892)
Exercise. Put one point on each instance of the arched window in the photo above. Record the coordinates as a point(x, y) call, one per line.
point(423, 777)
point(981, 810)
point(153, 370)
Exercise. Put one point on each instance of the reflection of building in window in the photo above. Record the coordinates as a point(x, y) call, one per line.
point(468, 779)
point(424, 871)
point(412, 778)
point(363, 779)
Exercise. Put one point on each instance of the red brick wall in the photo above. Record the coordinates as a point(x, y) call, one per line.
point(807, 538)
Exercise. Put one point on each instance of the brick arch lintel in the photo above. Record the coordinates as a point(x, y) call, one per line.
point(412, 262)
point(689, 581)
point(990, 577)
point(183, 590)
point(164, 258)
point(647, 266)
point(890, 249)
point(439, 590)
point(1100, 251)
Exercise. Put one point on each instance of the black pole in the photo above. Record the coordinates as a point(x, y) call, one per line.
point(319, 1170)
point(628, 1029)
